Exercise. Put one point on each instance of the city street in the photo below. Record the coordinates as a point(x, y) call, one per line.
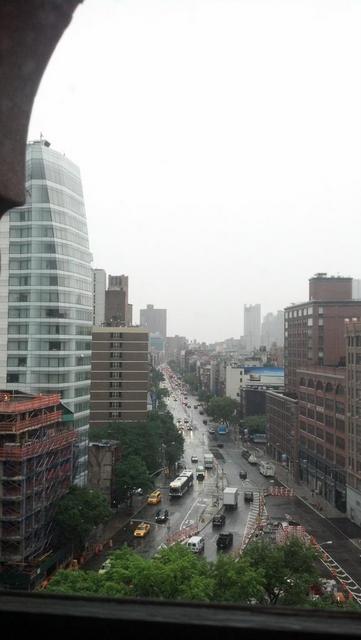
point(198, 505)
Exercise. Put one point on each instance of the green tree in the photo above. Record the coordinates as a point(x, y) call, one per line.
point(264, 574)
point(129, 474)
point(157, 441)
point(237, 581)
point(255, 424)
point(192, 381)
point(203, 396)
point(223, 408)
point(288, 569)
point(77, 514)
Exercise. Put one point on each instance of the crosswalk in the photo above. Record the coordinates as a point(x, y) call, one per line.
point(257, 518)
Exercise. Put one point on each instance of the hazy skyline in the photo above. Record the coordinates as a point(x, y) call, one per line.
point(219, 143)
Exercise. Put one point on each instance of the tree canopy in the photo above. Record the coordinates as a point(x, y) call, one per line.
point(78, 513)
point(223, 408)
point(264, 574)
point(255, 424)
point(156, 442)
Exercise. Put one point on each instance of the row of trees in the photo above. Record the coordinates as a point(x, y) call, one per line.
point(146, 448)
point(265, 574)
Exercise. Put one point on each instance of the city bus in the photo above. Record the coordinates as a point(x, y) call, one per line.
point(180, 485)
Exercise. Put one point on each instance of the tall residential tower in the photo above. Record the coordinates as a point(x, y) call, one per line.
point(46, 291)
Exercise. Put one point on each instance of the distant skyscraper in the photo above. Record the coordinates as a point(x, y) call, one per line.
point(99, 286)
point(46, 305)
point(272, 329)
point(252, 326)
point(155, 320)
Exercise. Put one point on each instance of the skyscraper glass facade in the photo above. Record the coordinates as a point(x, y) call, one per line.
point(46, 290)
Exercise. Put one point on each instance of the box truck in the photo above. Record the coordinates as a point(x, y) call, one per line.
point(230, 497)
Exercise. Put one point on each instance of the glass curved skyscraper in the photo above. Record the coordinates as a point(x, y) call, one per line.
point(46, 290)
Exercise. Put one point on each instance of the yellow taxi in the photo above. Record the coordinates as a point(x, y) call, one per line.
point(142, 529)
point(154, 497)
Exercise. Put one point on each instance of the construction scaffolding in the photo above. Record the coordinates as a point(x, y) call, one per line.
point(36, 464)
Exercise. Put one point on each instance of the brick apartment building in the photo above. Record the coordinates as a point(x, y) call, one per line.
point(119, 375)
point(353, 385)
point(322, 432)
point(315, 353)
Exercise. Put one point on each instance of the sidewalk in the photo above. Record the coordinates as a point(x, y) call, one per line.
point(301, 490)
point(102, 539)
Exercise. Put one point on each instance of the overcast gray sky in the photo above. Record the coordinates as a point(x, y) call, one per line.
point(219, 143)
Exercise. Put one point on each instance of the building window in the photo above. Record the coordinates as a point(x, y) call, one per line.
point(340, 443)
point(12, 377)
point(329, 422)
point(340, 425)
point(340, 391)
point(329, 438)
point(54, 346)
point(340, 408)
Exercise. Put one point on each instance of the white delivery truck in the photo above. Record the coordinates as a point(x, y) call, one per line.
point(208, 460)
point(267, 469)
point(230, 497)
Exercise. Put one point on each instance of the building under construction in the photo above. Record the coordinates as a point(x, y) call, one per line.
point(36, 460)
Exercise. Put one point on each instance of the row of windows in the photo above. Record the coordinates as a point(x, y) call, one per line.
point(40, 280)
point(354, 341)
point(46, 214)
point(353, 358)
point(48, 329)
point(36, 169)
point(330, 405)
point(51, 345)
point(65, 313)
point(38, 295)
point(328, 388)
point(55, 362)
point(36, 263)
point(60, 248)
point(49, 231)
point(306, 311)
point(47, 194)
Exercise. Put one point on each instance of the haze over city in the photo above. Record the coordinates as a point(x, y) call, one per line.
point(219, 147)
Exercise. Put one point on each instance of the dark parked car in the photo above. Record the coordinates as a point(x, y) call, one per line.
point(220, 445)
point(205, 421)
point(161, 516)
point(219, 520)
point(248, 496)
point(245, 454)
point(224, 540)
point(243, 475)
